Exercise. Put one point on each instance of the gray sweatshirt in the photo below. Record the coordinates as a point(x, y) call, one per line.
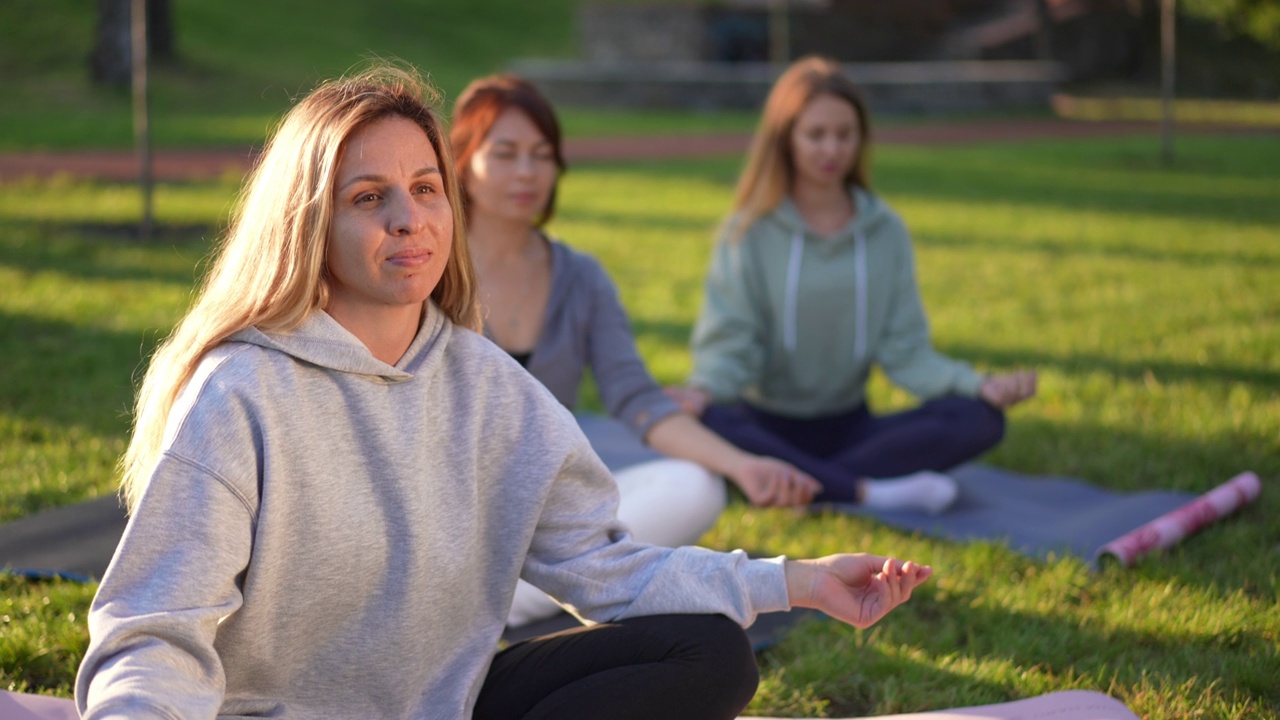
point(328, 536)
point(586, 326)
point(793, 322)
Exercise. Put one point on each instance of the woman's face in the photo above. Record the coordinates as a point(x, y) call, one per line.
point(511, 175)
point(392, 226)
point(824, 141)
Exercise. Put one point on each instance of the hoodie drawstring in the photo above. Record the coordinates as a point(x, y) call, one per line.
point(793, 289)
point(789, 319)
point(860, 287)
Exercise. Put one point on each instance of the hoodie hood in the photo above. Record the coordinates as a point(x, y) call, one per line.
point(320, 340)
point(869, 213)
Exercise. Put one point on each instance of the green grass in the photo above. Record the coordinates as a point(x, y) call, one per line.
point(237, 72)
point(1146, 298)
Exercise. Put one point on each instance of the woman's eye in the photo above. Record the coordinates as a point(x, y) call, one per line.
point(424, 189)
point(366, 197)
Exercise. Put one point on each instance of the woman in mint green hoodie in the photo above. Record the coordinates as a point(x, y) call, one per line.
point(813, 284)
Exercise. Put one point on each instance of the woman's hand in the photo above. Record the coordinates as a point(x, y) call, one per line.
point(693, 400)
point(772, 483)
point(856, 589)
point(1005, 391)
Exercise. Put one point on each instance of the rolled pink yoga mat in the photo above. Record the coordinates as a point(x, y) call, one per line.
point(1170, 528)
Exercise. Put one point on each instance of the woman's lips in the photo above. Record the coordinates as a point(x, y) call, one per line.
point(411, 258)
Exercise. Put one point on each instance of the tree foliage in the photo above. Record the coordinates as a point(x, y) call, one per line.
point(1255, 19)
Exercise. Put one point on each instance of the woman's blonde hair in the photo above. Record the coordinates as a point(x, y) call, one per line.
point(769, 171)
point(269, 270)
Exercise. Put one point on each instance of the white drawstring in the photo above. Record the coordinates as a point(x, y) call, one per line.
point(860, 310)
point(789, 319)
point(793, 289)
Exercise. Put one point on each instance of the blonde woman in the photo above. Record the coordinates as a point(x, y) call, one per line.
point(555, 310)
point(334, 481)
point(812, 284)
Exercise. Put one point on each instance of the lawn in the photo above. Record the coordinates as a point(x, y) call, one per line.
point(236, 73)
point(1146, 298)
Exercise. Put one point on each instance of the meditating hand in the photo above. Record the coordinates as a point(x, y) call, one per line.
point(858, 589)
point(1005, 391)
point(772, 483)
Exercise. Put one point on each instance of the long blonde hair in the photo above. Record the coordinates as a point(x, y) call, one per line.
point(269, 270)
point(769, 171)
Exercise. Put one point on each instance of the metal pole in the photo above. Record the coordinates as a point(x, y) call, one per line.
point(141, 124)
point(1167, 36)
point(779, 33)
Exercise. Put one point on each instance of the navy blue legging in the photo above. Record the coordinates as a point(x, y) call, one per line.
point(839, 450)
point(676, 667)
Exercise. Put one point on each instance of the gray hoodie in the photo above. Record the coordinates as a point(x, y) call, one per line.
point(329, 536)
point(793, 322)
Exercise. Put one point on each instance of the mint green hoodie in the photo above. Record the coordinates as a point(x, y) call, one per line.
point(792, 322)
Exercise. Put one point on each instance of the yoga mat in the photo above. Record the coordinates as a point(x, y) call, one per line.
point(22, 706)
point(1169, 529)
point(1064, 705)
point(1035, 515)
point(1039, 515)
point(74, 542)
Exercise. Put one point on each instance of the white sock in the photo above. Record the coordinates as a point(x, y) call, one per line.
point(925, 490)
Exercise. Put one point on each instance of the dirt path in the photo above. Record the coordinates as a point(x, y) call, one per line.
point(195, 164)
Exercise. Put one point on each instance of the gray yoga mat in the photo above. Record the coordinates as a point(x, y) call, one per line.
point(1035, 515)
point(75, 541)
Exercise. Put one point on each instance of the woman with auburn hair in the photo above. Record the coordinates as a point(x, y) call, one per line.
point(557, 312)
point(812, 284)
point(334, 481)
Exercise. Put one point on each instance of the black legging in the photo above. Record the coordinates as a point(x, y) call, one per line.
point(699, 667)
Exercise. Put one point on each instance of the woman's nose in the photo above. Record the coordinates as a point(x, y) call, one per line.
point(406, 216)
point(524, 165)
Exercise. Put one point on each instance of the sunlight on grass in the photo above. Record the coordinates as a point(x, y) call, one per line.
point(1226, 112)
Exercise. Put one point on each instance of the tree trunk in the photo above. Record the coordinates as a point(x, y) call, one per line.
point(111, 62)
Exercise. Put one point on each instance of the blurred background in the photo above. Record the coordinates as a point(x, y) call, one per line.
point(222, 70)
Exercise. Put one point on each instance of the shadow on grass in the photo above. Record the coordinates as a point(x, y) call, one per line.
point(1003, 243)
point(978, 185)
point(1063, 645)
point(1160, 370)
point(643, 217)
point(63, 374)
point(91, 251)
point(1063, 175)
point(855, 672)
point(667, 332)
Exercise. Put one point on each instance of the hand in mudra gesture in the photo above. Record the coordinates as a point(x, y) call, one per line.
point(857, 589)
point(1005, 391)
